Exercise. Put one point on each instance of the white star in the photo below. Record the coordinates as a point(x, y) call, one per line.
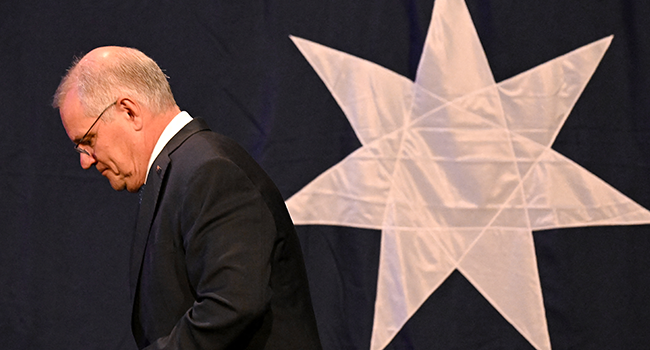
point(457, 171)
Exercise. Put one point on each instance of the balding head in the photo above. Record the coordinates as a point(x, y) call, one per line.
point(115, 103)
point(105, 73)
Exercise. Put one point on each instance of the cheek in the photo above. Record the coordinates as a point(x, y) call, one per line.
point(111, 153)
point(124, 161)
point(120, 155)
point(109, 158)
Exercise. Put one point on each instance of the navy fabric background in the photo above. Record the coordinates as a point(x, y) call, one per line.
point(66, 234)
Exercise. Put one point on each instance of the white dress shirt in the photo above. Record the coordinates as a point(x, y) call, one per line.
point(179, 121)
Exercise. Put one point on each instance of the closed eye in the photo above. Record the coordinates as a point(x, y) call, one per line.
point(86, 141)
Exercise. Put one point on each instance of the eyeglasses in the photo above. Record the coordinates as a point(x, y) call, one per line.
point(76, 145)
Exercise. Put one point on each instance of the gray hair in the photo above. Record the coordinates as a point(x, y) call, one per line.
point(129, 71)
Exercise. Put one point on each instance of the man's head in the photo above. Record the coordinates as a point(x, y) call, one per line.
point(129, 98)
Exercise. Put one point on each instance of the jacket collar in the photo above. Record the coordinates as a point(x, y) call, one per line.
point(150, 195)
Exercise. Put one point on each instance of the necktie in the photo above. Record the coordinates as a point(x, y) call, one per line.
point(140, 193)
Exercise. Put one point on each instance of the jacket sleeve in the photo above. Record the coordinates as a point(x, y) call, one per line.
point(228, 236)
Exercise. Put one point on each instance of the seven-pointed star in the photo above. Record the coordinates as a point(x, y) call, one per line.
point(457, 171)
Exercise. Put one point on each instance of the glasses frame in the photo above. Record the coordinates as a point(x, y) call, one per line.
point(78, 143)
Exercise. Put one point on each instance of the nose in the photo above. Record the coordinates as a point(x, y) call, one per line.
point(86, 160)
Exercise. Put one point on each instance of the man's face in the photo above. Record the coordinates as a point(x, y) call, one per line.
point(110, 144)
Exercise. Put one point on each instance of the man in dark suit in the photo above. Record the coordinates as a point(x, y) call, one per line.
point(216, 262)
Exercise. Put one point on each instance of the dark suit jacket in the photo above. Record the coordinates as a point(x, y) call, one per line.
point(216, 262)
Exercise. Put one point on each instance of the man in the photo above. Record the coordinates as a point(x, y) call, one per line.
point(216, 262)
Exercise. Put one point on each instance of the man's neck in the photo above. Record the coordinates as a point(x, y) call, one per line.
point(157, 124)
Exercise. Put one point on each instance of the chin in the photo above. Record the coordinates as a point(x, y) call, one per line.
point(121, 184)
point(133, 188)
point(118, 186)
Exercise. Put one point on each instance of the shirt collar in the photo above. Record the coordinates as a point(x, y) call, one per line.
point(179, 121)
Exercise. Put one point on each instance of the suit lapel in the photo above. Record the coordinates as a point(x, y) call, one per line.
point(151, 194)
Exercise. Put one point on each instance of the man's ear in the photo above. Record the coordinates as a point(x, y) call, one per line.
point(132, 110)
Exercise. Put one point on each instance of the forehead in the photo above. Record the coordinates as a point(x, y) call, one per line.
point(72, 116)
